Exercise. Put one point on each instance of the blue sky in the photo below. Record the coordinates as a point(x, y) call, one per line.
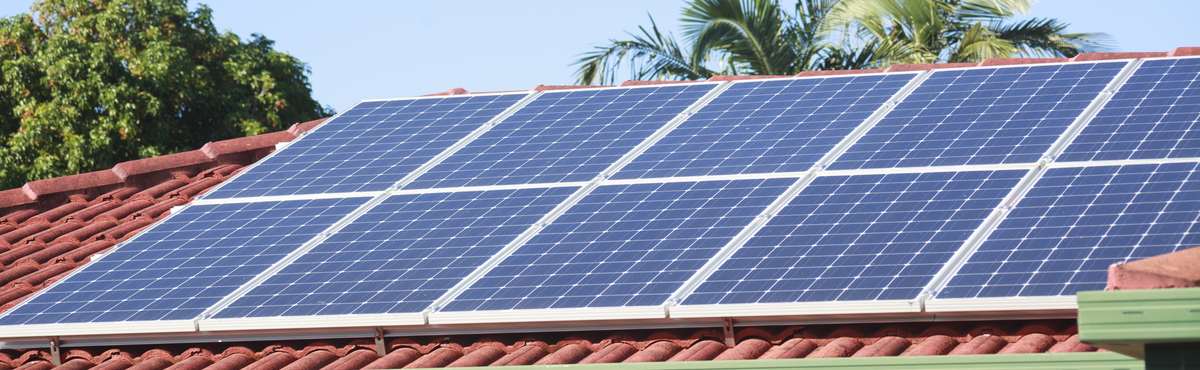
point(379, 49)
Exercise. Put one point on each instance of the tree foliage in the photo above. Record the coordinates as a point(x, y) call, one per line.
point(85, 84)
point(745, 37)
point(929, 31)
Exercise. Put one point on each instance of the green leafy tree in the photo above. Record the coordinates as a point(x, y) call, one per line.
point(85, 84)
point(929, 31)
point(746, 37)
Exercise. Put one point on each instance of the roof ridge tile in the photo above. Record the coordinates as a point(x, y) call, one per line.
point(1109, 55)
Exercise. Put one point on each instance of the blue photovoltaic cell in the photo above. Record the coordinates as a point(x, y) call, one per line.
point(368, 148)
point(400, 256)
point(177, 269)
point(1075, 222)
point(853, 238)
point(563, 136)
point(622, 245)
point(767, 126)
point(1155, 114)
point(981, 116)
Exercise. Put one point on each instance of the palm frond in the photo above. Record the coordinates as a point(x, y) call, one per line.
point(989, 11)
point(1036, 37)
point(751, 31)
point(979, 43)
point(650, 53)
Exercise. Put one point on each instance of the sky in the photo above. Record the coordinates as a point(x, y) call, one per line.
point(362, 49)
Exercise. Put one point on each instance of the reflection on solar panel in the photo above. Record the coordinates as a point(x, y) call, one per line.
point(981, 116)
point(622, 245)
point(179, 268)
point(368, 148)
point(1075, 222)
point(1155, 114)
point(563, 136)
point(401, 255)
point(766, 126)
point(865, 237)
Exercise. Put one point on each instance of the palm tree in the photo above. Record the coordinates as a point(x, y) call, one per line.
point(929, 31)
point(731, 37)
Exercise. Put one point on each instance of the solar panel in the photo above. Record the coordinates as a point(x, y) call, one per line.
point(1155, 114)
point(981, 116)
point(400, 256)
point(767, 126)
point(368, 148)
point(177, 269)
point(563, 136)
point(1062, 236)
point(622, 245)
point(864, 237)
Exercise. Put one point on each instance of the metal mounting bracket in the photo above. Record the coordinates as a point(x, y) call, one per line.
point(56, 351)
point(727, 327)
point(380, 343)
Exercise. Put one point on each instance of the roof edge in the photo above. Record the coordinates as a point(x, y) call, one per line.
point(240, 150)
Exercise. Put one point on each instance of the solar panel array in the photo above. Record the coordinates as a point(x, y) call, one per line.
point(563, 136)
point(177, 270)
point(1155, 114)
point(981, 116)
point(1075, 222)
point(779, 191)
point(368, 148)
point(767, 126)
point(864, 237)
point(622, 245)
point(401, 255)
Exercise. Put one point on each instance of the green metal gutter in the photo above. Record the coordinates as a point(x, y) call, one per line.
point(1126, 320)
point(1047, 361)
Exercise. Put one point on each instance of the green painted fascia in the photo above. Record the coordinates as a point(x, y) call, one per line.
point(1125, 320)
point(1047, 361)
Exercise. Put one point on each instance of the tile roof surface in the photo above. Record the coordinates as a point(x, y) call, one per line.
point(49, 227)
point(819, 341)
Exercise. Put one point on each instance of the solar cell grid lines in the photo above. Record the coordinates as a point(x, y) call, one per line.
point(981, 116)
point(1065, 232)
point(855, 238)
point(368, 148)
point(783, 125)
point(1154, 114)
point(400, 256)
point(622, 246)
point(564, 136)
point(179, 268)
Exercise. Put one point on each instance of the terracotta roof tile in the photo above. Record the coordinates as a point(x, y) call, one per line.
point(1186, 51)
point(651, 82)
point(839, 72)
point(745, 77)
point(926, 67)
point(452, 91)
point(1172, 270)
point(48, 227)
point(1013, 61)
point(1117, 55)
point(562, 87)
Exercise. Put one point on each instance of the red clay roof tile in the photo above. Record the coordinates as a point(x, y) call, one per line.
point(651, 82)
point(1172, 270)
point(1085, 57)
point(745, 77)
point(452, 91)
point(839, 72)
point(562, 87)
point(1014, 61)
point(926, 67)
point(1186, 51)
